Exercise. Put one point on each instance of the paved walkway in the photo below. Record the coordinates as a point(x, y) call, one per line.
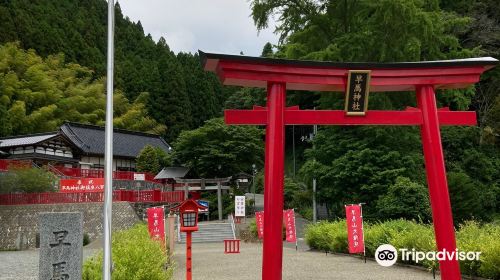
point(210, 263)
point(16, 265)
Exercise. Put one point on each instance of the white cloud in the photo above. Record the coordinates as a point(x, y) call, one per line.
point(223, 26)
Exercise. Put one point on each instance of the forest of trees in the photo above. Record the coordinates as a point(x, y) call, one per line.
point(380, 165)
point(180, 95)
point(52, 66)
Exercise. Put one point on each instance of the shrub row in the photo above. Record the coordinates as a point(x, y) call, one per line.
point(135, 256)
point(471, 236)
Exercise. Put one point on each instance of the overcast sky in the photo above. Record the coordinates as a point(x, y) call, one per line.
point(222, 26)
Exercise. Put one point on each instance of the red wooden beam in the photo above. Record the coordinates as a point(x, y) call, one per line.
point(331, 76)
point(410, 116)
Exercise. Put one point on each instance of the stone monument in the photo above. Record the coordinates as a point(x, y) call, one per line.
point(61, 246)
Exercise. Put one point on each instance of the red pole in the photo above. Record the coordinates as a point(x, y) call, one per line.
point(274, 172)
point(436, 181)
point(189, 275)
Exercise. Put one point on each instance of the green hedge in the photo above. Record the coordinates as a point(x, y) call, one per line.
point(471, 236)
point(252, 229)
point(135, 256)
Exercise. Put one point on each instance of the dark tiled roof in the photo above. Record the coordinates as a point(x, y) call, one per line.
point(90, 139)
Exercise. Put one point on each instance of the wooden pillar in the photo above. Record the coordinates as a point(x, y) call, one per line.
point(171, 233)
point(274, 177)
point(186, 191)
point(436, 181)
point(219, 200)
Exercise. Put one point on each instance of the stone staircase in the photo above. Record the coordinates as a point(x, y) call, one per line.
point(210, 232)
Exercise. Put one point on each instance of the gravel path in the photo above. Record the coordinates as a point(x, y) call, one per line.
point(16, 265)
point(210, 263)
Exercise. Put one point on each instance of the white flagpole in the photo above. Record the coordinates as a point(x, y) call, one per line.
point(362, 228)
point(108, 174)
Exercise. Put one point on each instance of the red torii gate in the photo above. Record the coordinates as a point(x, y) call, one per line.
point(278, 75)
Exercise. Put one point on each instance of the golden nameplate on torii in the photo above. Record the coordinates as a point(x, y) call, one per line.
point(358, 88)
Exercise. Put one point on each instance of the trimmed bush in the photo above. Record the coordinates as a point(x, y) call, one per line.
point(28, 180)
point(135, 256)
point(252, 229)
point(484, 239)
point(471, 236)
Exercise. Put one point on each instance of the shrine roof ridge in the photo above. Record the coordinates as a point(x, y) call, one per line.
point(477, 61)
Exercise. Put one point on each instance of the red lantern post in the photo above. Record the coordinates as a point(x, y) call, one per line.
point(189, 222)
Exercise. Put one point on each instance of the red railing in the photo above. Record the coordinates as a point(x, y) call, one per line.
point(149, 196)
point(172, 196)
point(231, 246)
point(6, 164)
point(99, 173)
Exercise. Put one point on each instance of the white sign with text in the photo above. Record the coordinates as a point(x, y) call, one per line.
point(239, 206)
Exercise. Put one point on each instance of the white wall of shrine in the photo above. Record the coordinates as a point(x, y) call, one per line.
point(88, 162)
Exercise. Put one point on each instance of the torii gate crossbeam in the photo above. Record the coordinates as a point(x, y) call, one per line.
point(278, 75)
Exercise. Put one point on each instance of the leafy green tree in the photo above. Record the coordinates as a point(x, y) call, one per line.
point(135, 117)
point(349, 162)
point(232, 148)
point(28, 180)
point(471, 199)
point(362, 30)
point(77, 28)
point(405, 199)
point(267, 51)
point(246, 98)
point(204, 91)
point(355, 165)
point(39, 94)
point(152, 159)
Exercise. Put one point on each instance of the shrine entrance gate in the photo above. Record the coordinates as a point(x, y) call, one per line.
point(278, 75)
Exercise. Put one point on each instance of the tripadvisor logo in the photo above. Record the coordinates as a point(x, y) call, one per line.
point(387, 255)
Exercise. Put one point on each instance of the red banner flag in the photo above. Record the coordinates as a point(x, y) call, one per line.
point(259, 221)
point(82, 185)
point(156, 225)
point(289, 221)
point(355, 229)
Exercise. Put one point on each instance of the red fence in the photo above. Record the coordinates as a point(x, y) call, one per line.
point(231, 246)
point(6, 164)
point(150, 196)
point(3, 165)
point(99, 173)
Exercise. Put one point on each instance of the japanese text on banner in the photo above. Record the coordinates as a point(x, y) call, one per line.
point(289, 221)
point(355, 229)
point(156, 224)
point(259, 221)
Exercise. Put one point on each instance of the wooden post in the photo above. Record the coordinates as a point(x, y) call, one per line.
point(219, 200)
point(171, 233)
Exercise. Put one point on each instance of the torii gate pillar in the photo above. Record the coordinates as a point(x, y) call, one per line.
point(436, 180)
point(273, 181)
point(279, 74)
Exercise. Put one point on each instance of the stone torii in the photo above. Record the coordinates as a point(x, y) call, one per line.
point(278, 75)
